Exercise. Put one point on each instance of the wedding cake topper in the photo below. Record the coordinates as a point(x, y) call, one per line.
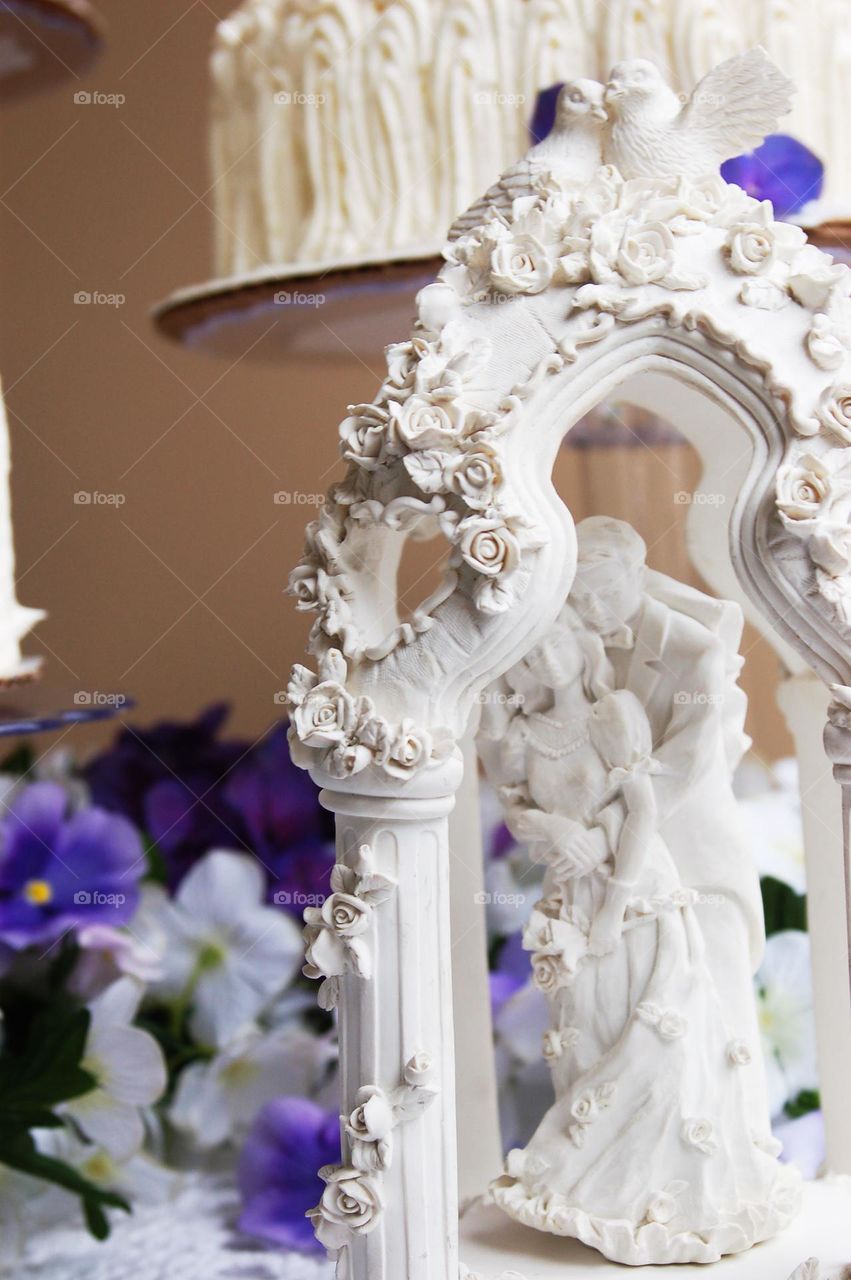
point(617, 765)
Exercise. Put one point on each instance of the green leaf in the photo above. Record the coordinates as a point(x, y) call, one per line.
point(157, 872)
point(784, 909)
point(808, 1100)
point(48, 1069)
point(19, 761)
point(21, 1154)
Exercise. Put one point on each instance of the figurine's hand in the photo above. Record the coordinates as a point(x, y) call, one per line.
point(583, 850)
point(534, 826)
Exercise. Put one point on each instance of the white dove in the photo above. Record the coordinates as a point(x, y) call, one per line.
point(572, 151)
point(733, 108)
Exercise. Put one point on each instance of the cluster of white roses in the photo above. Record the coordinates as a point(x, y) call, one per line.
point(814, 499)
point(335, 933)
point(353, 1202)
point(343, 734)
point(586, 1109)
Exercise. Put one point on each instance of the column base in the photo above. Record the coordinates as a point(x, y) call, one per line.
point(492, 1244)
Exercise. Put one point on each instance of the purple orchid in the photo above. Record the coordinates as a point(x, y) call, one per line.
point(59, 872)
point(290, 1140)
point(782, 170)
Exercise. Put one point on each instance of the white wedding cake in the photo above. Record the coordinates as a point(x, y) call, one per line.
point(16, 620)
point(353, 131)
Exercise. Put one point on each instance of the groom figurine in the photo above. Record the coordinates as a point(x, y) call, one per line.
point(677, 651)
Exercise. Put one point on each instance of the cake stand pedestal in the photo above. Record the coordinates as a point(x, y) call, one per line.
point(329, 309)
point(43, 42)
point(493, 1246)
point(26, 709)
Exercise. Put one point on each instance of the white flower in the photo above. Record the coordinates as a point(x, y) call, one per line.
point(410, 750)
point(475, 476)
point(699, 1133)
point(785, 1008)
point(804, 488)
point(107, 954)
point(225, 955)
point(428, 422)
point(547, 972)
point(751, 248)
point(519, 264)
point(351, 1204)
point(663, 1204)
point(326, 716)
point(834, 410)
point(669, 1024)
point(739, 1054)
point(369, 1128)
point(129, 1069)
point(830, 549)
point(141, 1178)
point(775, 829)
point(584, 1109)
point(364, 435)
point(488, 545)
point(218, 1099)
point(553, 1046)
point(645, 254)
point(420, 1071)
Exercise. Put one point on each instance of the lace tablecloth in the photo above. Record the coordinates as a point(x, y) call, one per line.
point(188, 1238)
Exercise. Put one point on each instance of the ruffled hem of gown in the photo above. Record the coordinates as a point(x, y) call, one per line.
point(652, 1242)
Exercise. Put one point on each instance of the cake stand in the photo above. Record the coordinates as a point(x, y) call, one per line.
point(493, 1247)
point(25, 709)
point(43, 42)
point(320, 309)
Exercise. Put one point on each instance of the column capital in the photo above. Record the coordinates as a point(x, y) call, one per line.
point(430, 793)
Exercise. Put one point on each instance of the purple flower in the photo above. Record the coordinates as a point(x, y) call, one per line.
point(58, 872)
point(544, 115)
point(192, 792)
point(290, 1141)
point(511, 973)
point(277, 803)
point(782, 170)
point(304, 874)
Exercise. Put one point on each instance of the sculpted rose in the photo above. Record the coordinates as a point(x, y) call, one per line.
point(584, 1108)
point(803, 488)
point(427, 424)
point(326, 716)
point(646, 254)
point(546, 972)
point(520, 265)
point(475, 475)
point(700, 1134)
point(661, 1208)
point(830, 549)
point(419, 1070)
point(750, 248)
point(672, 1025)
point(363, 435)
point(738, 1054)
point(488, 545)
point(351, 1204)
point(410, 749)
point(345, 914)
point(372, 1118)
point(834, 411)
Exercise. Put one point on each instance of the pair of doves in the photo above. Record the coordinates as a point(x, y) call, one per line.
point(638, 124)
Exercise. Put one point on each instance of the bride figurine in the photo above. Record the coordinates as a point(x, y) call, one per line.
point(649, 1153)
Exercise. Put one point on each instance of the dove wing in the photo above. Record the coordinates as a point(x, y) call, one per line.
point(738, 103)
point(498, 199)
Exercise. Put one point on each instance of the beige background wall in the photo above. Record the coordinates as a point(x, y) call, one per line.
point(175, 595)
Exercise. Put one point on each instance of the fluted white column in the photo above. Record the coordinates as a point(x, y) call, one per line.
point(804, 702)
point(401, 1012)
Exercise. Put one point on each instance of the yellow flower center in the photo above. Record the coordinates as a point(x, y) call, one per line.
point(38, 892)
